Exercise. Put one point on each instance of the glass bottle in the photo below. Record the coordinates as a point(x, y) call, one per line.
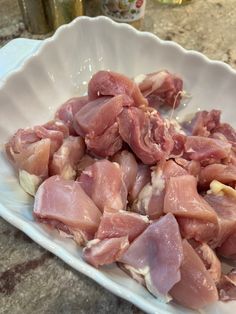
point(128, 11)
point(63, 11)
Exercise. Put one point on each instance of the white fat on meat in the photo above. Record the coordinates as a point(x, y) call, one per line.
point(157, 255)
point(29, 182)
point(156, 186)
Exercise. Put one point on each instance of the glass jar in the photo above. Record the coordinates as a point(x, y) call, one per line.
point(128, 11)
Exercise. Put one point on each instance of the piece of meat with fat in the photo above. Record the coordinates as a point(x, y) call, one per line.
point(206, 150)
point(65, 202)
point(106, 144)
point(161, 89)
point(157, 255)
point(64, 161)
point(222, 199)
point(228, 248)
point(228, 131)
point(196, 288)
point(142, 178)
point(193, 167)
point(198, 229)
point(210, 260)
point(103, 182)
point(203, 123)
point(224, 173)
point(146, 133)
point(227, 286)
point(96, 121)
point(121, 223)
point(129, 167)
point(55, 130)
point(67, 111)
point(150, 200)
point(182, 200)
point(30, 151)
point(107, 251)
point(107, 83)
point(85, 162)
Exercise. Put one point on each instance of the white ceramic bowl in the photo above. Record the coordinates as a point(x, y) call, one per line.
point(61, 69)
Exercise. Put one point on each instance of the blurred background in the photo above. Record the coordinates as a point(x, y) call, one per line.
point(208, 26)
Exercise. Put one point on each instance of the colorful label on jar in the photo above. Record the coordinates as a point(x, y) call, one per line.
point(124, 10)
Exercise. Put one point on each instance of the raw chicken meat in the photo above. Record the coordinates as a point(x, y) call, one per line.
point(142, 178)
point(223, 173)
point(222, 199)
point(146, 134)
point(129, 167)
point(103, 182)
point(157, 254)
point(182, 200)
point(67, 111)
point(203, 123)
point(145, 184)
point(64, 161)
point(196, 288)
point(96, 121)
point(210, 261)
point(107, 251)
point(105, 83)
point(150, 200)
point(65, 201)
point(121, 223)
point(206, 150)
point(161, 89)
point(227, 286)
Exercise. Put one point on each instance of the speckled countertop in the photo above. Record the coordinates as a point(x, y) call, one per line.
point(33, 280)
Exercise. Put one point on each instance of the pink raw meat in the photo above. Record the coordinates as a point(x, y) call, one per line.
point(122, 223)
point(64, 162)
point(196, 288)
point(129, 167)
point(67, 111)
point(107, 251)
point(66, 202)
point(157, 254)
point(162, 89)
point(105, 83)
point(146, 134)
point(103, 182)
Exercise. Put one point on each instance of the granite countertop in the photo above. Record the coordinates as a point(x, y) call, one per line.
point(33, 280)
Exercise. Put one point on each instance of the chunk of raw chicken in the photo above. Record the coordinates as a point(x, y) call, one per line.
point(129, 167)
point(150, 200)
point(227, 286)
point(146, 133)
point(105, 83)
point(161, 89)
point(223, 199)
point(67, 111)
point(203, 123)
point(206, 150)
point(142, 178)
point(65, 202)
point(96, 121)
point(196, 288)
point(157, 254)
point(107, 251)
point(103, 182)
point(64, 162)
point(121, 223)
point(182, 200)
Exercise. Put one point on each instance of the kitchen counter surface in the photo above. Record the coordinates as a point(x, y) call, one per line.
point(33, 280)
